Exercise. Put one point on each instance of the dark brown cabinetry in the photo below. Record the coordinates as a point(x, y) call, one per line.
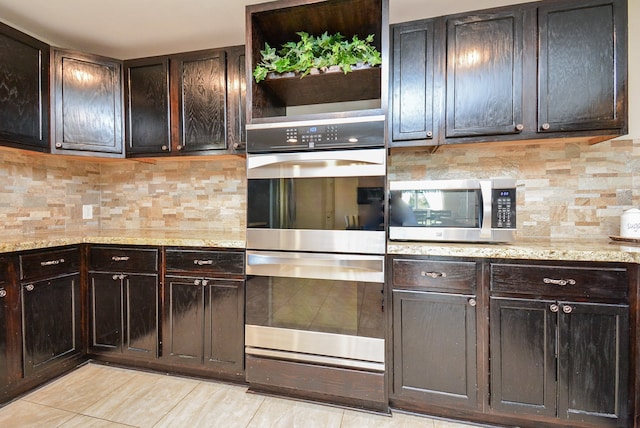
point(204, 310)
point(86, 105)
point(5, 332)
point(484, 74)
point(189, 103)
point(435, 349)
point(50, 297)
point(560, 342)
point(147, 106)
point(582, 65)
point(123, 295)
point(412, 95)
point(551, 69)
point(331, 94)
point(24, 91)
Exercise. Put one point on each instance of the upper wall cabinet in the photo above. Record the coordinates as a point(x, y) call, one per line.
point(583, 66)
point(190, 103)
point(549, 69)
point(24, 91)
point(412, 97)
point(484, 74)
point(284, 98)
point(86, 105)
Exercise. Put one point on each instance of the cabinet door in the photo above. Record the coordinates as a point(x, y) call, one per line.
point(593, 363)
point(523, 365)
point(4, 360)
point(434, 348)
point(87, 104)
point(184, 320)
point(237, 90)
point(105, 295)
point(412, 93)
point(141, 315)
point(224, 325)
point(24, 90)
point(202, 97)
point(484, 74)
point(148, 130)
point(582, 65)
point(51, 321)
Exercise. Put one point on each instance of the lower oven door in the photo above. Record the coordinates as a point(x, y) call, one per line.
point(318, 308)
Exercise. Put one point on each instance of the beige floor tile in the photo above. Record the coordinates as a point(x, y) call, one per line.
point(280, 413)
point(142, 400)
point(81, 421)
point(22, 414)
point(213, 405)
point(353, 419)
point(81, 388)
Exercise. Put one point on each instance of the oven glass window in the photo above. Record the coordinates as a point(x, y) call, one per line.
point(342, 307)
point(336, 203)
point(435, 208)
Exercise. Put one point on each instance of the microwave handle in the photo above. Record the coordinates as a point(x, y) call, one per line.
point(485, 190)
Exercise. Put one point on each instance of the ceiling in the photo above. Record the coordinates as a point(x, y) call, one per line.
point(126, 29)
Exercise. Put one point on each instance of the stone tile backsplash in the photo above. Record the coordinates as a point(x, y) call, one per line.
point(565, 190)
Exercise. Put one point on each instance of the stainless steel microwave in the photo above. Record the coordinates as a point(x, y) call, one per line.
point(453, 210)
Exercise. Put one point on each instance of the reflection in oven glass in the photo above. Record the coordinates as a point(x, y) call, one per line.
point(342, 307)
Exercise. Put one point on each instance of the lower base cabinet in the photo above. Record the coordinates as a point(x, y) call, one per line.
point(204, 311)
point(533, 344)
point(124, 301)
point(560, 358)
point(435, 348)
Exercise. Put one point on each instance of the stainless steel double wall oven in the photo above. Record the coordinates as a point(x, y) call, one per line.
point(316, 242)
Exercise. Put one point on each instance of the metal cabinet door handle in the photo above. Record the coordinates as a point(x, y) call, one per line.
point(554, 308)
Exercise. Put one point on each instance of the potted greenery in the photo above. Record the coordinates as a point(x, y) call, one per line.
point(313, 55)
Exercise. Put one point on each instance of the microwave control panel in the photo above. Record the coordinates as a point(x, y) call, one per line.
point(504, 209)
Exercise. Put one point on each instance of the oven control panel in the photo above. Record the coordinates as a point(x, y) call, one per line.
point(316, 135)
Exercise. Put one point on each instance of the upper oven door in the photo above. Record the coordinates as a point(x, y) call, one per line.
point(328, 201)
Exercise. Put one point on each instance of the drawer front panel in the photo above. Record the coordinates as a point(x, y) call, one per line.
point(434, 275)
point(115, 259)
point(49, 263)
point(209, 262)
point(559, 281)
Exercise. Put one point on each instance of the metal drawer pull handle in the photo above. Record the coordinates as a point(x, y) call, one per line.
point(30, 287)
point(52, 262)
point(120, 258)
point(202, 262)
point(434, 274)
point(559, 281)
point(3, 293)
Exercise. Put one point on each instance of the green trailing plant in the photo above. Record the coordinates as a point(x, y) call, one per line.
point(317, 53)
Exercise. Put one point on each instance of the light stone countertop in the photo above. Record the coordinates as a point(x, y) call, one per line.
point(596, 250)
point(177, 238)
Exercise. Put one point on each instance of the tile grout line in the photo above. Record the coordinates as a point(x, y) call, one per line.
point(198, 383)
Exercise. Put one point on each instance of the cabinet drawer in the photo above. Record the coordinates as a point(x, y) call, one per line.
point(210, 262)
point(433, 274)
point(560, 281)
point(49, 263)
point(115, 259)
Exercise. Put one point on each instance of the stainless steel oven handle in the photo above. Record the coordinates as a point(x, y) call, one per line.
point(345, 163)
point(374, 264)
